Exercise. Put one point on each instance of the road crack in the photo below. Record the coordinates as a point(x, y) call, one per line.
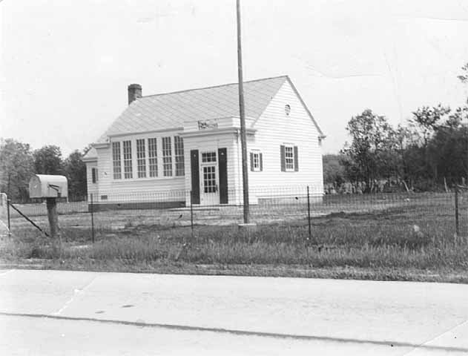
point(425, 343)
point(76, 293)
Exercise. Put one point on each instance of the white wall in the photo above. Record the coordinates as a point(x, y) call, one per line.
point(275, 128)
point(93, 188)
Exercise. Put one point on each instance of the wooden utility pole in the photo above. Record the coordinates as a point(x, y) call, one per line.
point(245, 172)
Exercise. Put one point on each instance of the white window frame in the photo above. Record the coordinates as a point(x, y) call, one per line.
point(179, 156)
point(256, 165)
point(141, 157)
point(116, 160)
point(153, 169)
point(127, 155)
point(148, 158)
point(167, 156)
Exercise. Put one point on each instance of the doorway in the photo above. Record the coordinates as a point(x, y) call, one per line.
point(209, 181)
point(209, 177)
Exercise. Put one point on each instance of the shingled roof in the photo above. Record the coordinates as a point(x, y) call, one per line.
point(169, 110)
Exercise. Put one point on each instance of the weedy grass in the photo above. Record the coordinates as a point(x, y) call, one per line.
point(385, 242)
point(387, 239)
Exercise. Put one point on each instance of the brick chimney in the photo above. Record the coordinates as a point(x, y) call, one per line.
point(134, 92)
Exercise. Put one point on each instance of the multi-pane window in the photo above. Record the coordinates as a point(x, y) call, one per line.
point(153, 157)
point(209, 179)
point(127, 159)
point(116, 160)
point(141, 158)
point(289, 158)
point(179, 156)
point(167, 156)
point(208, 157)
point(256, 163)
point(146, 158)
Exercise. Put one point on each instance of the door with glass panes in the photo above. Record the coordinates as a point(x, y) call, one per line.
point(209, 179)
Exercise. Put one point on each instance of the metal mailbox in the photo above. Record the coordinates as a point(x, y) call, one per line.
point(48, 186)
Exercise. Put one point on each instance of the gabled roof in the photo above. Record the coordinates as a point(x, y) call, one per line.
point(169, 110)
point(91, 155)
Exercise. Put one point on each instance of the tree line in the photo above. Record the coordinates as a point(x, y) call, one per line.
point(18, 163)
point(429, 153)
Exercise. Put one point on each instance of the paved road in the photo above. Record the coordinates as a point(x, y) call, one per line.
point(85, 313)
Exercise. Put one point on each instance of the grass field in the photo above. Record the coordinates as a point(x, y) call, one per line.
point(409, 237)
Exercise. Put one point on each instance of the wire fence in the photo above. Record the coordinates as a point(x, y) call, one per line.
point(97, 218)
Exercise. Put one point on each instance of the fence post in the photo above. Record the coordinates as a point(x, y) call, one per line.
point(308, 213)
point(457, 230)
point(8, 216)
point(191, 212)
point(92, 218)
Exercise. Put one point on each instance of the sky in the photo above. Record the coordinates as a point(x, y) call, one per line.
point(66, 64)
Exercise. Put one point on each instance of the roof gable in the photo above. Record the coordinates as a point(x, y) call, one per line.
point(321, 134)
point(170, 110)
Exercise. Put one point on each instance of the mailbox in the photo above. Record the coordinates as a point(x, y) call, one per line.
point(48, 186)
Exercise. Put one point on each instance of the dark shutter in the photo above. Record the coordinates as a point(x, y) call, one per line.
point(251, 161)
point(223, 177)
point(283, 158)
point(261, 161)
point(195, 176)
point(296, 158)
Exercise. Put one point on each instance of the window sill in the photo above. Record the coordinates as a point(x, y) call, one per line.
point(152, 179)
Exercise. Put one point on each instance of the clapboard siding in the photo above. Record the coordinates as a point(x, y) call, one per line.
point(276, 128)
point(93, 188)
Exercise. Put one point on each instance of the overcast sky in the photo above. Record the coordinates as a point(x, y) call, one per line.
point(66, 64)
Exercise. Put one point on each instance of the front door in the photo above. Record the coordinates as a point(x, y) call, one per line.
point(209, 181)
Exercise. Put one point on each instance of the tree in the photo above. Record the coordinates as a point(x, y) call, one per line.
point(333, 169)
point(429, 120)
point(451, 145)
point(16, 168)
point(372, 154)
point(75, 170)
point(48, 160)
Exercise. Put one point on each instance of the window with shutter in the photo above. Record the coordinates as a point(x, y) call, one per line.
point(289, 158)
point(256, 164)
point(94, 175)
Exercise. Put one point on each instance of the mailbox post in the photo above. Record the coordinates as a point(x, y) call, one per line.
point(53, 217)
point(49, 187)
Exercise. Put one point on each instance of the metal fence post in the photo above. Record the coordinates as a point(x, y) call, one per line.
point(92, 218)
point(308, 213)
point(457, 229)
point(8, 216)
point(191, 212)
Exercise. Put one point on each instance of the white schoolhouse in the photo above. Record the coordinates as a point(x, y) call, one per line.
point(167, 149)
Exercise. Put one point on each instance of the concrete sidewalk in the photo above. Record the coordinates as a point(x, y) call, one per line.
point(174, 314)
